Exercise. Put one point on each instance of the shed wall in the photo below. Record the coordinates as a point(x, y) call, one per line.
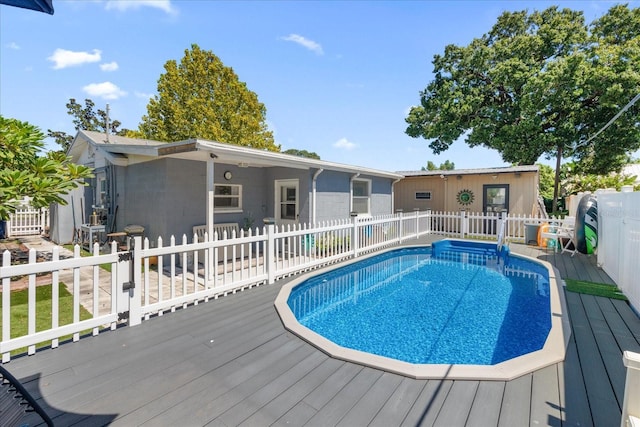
point(523, 191)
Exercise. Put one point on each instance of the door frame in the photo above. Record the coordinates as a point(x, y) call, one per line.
point(486, 187)
point(278, 185)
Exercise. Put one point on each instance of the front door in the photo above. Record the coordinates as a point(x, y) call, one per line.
point(286, 201)
point(495, 200)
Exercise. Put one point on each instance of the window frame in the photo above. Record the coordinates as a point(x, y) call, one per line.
point(367, 197)
point(429, 193)
point(238, 196)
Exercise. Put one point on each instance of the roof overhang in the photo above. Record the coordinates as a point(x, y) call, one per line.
point(203, 150)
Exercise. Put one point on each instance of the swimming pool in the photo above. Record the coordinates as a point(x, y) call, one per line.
point(460, 314)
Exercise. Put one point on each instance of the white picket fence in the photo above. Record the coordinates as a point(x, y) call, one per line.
point(27, 221)
point(155, 277)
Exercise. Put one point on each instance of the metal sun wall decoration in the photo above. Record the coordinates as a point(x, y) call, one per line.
point(465, 197)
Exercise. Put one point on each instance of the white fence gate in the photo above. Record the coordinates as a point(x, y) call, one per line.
point(27, 221)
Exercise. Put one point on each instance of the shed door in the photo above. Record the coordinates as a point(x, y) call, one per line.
point(287, 210)
point(495, 200)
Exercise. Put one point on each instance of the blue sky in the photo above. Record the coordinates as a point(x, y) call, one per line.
point(336, 77)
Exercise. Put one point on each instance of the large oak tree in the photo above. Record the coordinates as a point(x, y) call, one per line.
point(540, 83)
point(202, 98)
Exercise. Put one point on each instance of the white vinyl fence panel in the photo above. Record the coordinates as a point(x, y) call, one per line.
point(619, 241)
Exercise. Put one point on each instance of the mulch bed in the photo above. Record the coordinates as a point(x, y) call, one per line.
point(20, 255)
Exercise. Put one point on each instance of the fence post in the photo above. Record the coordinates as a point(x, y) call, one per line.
point(7, 228)
point(416, 211)
point(463, 224)
point(135, 283)
point(271, 252)
point(400, 226)
point(631, 399)
point(428, 221)
point(42, 220)
point(499, 224)
point(354, 234)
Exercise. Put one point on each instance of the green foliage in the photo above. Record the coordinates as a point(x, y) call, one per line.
point(547, 177)
point(24, 173)
point(201, 98)
point(302, 153)
point(85, 119)
point(446, 166)
point(539, 84)
point(576, 180)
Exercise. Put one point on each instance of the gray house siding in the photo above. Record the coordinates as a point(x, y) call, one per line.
point(169, 196)
point(381, 200)
point(254, 188)
point(332, 196)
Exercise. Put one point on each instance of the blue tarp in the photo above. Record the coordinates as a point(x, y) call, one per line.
point(45, 6)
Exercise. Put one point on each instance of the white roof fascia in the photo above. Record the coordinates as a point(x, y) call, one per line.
point(272, 158)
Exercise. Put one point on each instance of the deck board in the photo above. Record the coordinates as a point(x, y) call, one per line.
point(516, 404)
point(168, 371)
point(428, 404)
point(545, 398)
point(399, 403)
point(455, 410)
point(485, 409)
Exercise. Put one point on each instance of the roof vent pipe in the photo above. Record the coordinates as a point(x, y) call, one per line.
point(106, 128)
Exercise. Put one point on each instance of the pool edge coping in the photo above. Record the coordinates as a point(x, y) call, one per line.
point(553, 351)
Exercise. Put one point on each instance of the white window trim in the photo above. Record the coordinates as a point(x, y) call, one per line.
point(368, 197)
point(238, 196)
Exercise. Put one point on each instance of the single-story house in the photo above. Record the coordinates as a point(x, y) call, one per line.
point(504, 189)
point(168, 188)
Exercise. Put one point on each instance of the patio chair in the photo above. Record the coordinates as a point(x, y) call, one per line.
point(16, 404)
point(561, 237)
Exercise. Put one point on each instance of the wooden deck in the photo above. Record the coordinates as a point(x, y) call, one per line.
point(230, 362)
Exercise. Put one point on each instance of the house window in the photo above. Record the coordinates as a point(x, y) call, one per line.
point(227, 198)
point(361, 196)
point(423, 195)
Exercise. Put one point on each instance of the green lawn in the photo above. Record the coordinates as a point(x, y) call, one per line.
point(84, 253)
point(19, 312)
point(597, 289)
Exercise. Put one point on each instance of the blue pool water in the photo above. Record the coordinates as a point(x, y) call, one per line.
point(413, 306)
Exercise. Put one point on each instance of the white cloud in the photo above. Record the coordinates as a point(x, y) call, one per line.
point(344, 144)
point(124, 5)
point(143, 95)
point(13, 45)
point(306, 43)
point(105, 90)
point(109, 66)
point(63, 58)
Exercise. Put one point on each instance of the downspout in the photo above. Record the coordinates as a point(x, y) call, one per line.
point(351, 191)
point(313, 195)
point(393, 195)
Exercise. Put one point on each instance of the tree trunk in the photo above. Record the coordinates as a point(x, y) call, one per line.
point(556, 181)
